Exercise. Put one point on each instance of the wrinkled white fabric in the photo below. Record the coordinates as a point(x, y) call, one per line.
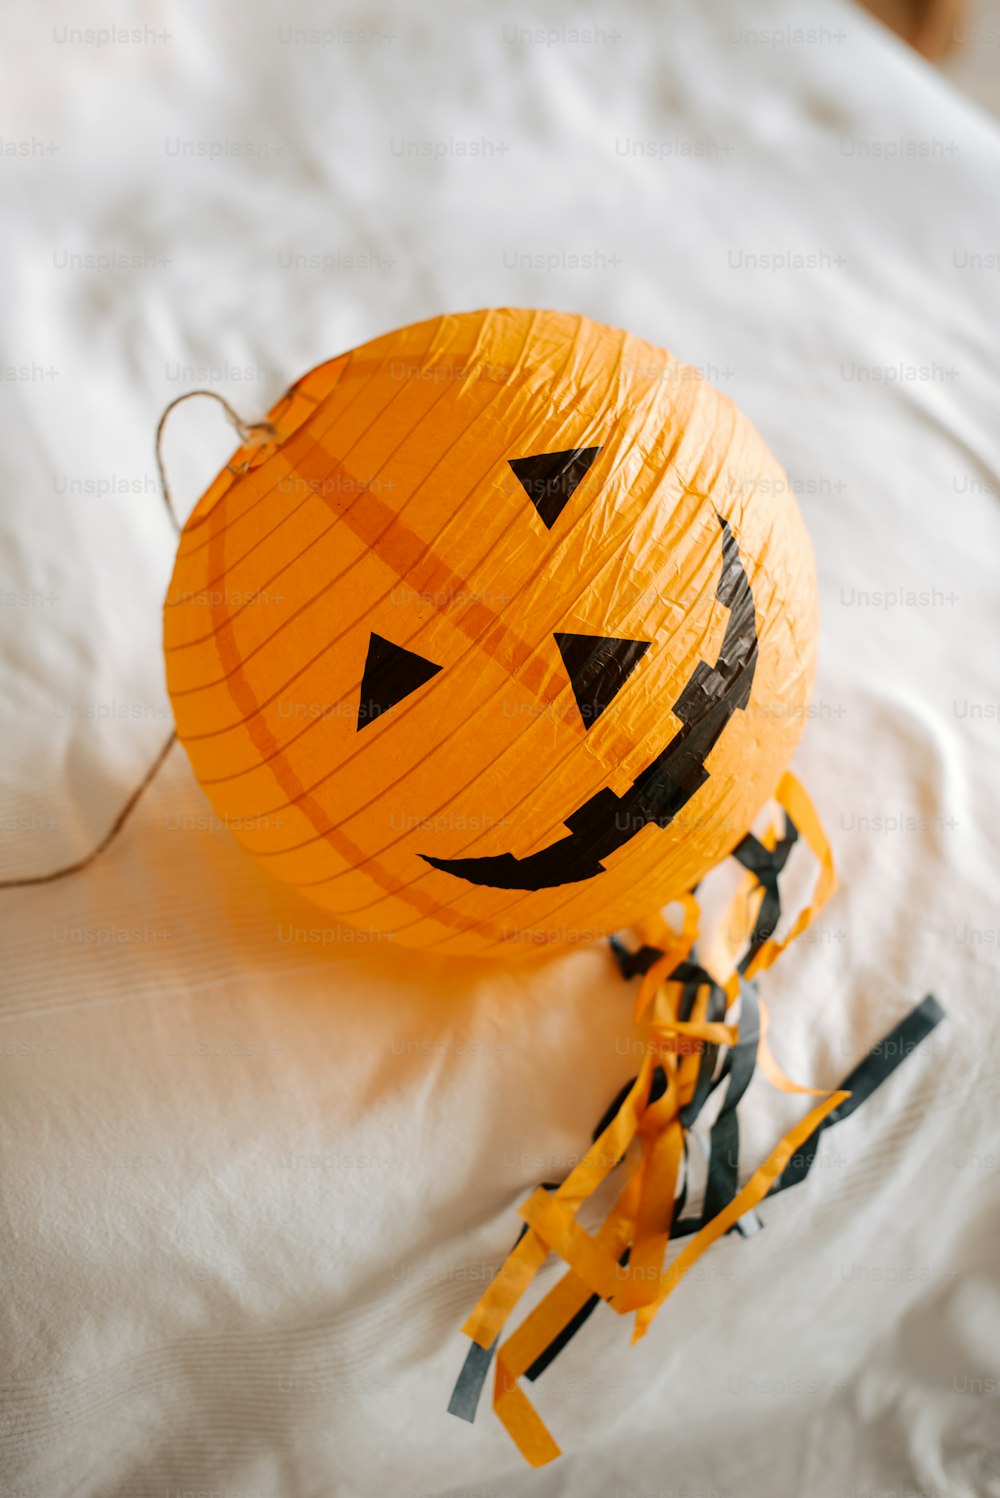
point(252, 1187)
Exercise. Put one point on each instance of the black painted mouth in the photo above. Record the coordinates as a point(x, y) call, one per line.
point(607, 821)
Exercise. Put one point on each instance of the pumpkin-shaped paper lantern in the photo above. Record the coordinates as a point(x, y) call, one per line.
point(504, 639)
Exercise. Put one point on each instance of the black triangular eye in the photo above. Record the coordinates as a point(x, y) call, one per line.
point(550, 478)
point(391, 673)
point(598, 667)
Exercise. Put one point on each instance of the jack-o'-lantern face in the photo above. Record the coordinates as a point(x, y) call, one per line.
point(505, 639)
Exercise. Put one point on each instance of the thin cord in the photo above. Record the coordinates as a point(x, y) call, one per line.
point(247, 432)
point(109, 836)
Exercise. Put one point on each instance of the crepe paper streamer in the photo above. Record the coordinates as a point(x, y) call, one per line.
point(624, 1264)
point(569, 1306)
point(801, 820)
point(601, 1267)
point(881, 1061)
point(465, 1395)
point(496, 635)
point(868, 1075)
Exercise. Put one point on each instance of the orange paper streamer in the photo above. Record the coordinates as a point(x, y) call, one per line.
point(642, 1217)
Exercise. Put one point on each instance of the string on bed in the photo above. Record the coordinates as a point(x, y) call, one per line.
point(249, 433)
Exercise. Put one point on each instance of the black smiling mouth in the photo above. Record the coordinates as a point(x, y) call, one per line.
point(608, 821)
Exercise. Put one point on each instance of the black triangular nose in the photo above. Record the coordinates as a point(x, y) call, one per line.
point(550, 478)
point(598, 667)
point(391, 673)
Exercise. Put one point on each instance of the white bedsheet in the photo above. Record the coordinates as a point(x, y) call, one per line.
point(242, 1221)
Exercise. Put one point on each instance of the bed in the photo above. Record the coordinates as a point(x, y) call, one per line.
point(253, 1183)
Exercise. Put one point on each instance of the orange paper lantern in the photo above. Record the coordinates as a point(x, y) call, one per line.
point(504, 638)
